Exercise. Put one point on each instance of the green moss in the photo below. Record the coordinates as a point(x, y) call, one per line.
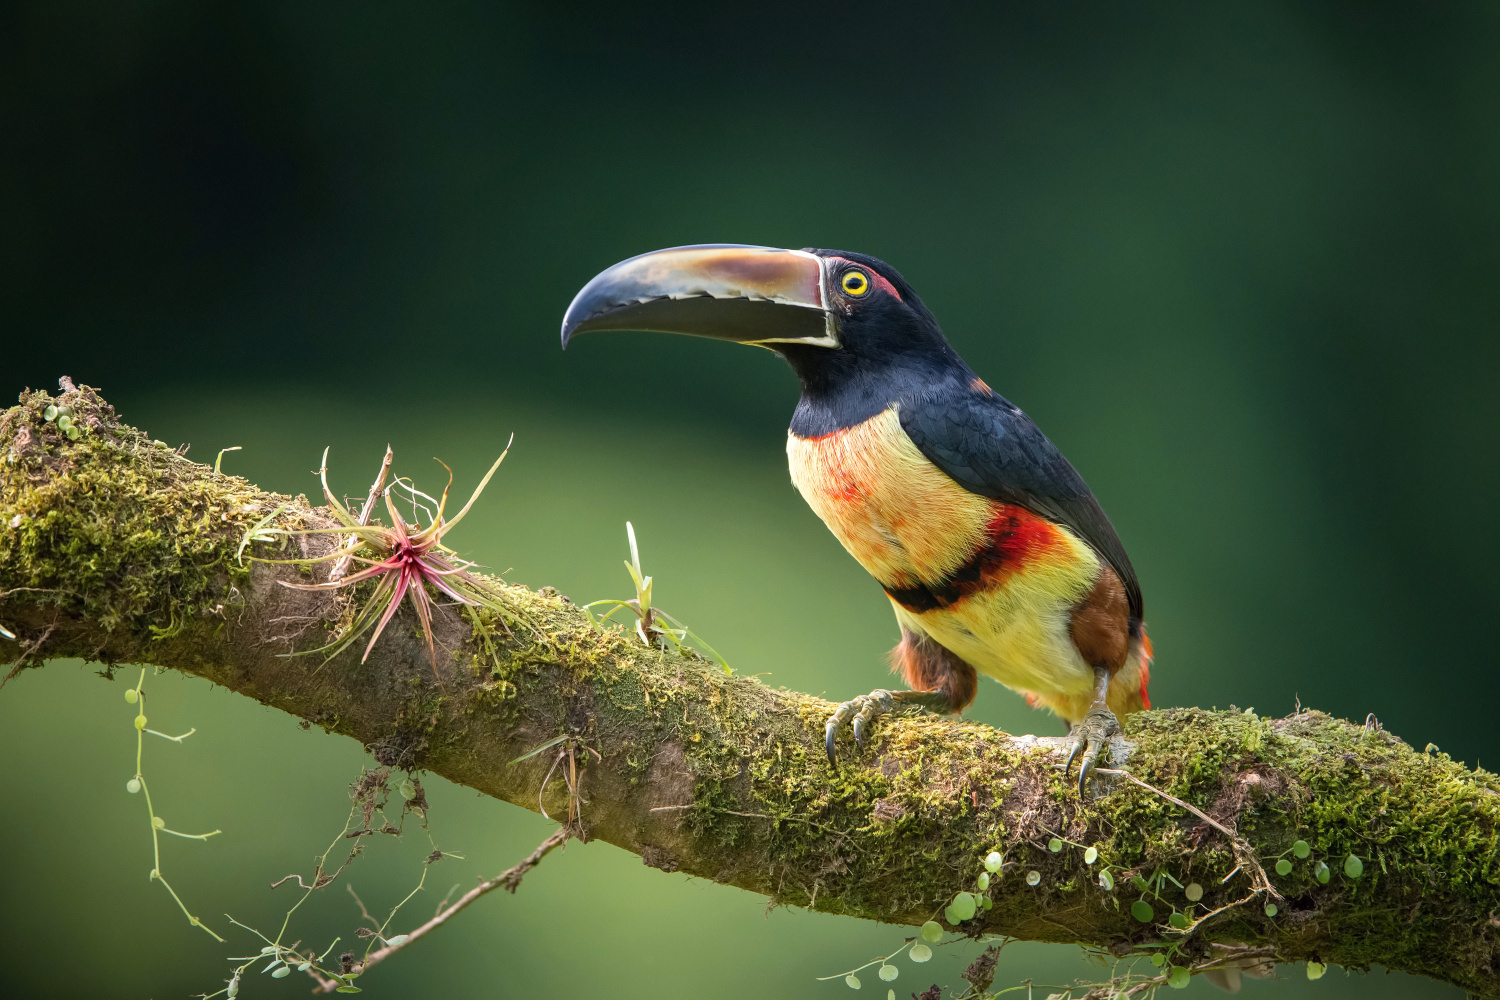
point(114, 526)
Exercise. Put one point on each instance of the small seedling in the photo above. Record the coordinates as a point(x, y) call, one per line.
point(653, 626)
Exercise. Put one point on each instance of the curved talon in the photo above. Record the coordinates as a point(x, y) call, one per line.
point(860, 714)
point(1091, 736)
point(1073, 749)
point(1090, 758)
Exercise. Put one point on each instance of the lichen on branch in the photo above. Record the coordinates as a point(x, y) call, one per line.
point(115, 548)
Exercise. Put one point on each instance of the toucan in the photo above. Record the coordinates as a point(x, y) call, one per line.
point(994, 553)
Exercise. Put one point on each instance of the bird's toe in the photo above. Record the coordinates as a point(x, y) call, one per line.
point(1091, 737)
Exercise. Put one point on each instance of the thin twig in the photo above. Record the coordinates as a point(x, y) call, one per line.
point(1244, 853)
point(26, 654)
point(1205, 817)
point(342, 565)
point(1214, 913)
point(509, 879)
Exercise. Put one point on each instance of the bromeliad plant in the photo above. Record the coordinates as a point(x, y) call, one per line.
point(403, 559)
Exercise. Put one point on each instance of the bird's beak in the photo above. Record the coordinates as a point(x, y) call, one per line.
point(752, 295)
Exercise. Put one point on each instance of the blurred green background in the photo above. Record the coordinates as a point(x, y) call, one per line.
point(1237, 260)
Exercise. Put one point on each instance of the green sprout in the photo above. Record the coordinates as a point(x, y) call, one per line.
point(260, 531)
point(219, 459)
point(1142, 909)
point(653, 626)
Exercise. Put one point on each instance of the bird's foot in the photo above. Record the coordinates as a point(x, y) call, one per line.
point(863, 711)
point(1091, 736)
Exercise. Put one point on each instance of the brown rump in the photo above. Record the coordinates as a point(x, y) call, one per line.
point(1101, 622)
point(930, 667)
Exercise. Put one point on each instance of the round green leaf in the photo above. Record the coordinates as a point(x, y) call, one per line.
point(1033, 877)
point(984, 881)
point(1107, 881)
point(49, 415)
point(993, 861)
point(852, 981)
point(1271, 909)
point(1193, 892)
point(1054, 845)
point(932, 931)
point(985, 904)
point(133, 785)
point(1322, 872)
point(920, 952)
point(1315, 970)
point(1158, 959)
point(304, 967)
point(1178, 977)
point(282, 973)
point(964, 905)
point(1091, 855)
point(1353, 867)
point(1178, 920)
point(1139, 883)
point(1142, 911)
point(1283, 867)
point(951, 915)
point(889, 972)
point(398, 940)
point(1301, 848)
point(131, 695)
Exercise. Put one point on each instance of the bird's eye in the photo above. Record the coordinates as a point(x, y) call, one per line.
point(855, 283)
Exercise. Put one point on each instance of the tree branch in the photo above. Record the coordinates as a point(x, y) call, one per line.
point(115, 548)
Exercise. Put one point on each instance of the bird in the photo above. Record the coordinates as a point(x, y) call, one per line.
point(996, 557)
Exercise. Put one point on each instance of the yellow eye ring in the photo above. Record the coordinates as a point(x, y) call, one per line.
point(855, 283)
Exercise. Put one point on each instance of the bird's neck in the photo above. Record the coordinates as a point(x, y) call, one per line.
point(841, 389)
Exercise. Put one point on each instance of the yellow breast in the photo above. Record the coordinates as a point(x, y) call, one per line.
point(909, 524)
point(900, 516)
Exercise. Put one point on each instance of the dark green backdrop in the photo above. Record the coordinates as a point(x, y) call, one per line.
point(1237, 260)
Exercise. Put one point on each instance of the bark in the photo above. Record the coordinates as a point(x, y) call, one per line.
point(115, 548)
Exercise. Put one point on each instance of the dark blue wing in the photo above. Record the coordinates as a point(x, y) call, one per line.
point(991, 448)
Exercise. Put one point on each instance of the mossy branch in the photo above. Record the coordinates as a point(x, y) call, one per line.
point(115, 548)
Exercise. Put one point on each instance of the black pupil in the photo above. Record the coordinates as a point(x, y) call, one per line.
point(856, 282)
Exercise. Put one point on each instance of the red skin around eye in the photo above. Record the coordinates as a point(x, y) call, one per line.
point(879, 283)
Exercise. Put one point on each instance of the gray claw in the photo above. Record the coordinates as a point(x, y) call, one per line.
point(1092, 736)
point(1073, 749)
point(1090, 758)
point(860, 712)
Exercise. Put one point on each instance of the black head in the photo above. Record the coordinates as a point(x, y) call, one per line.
point(883, 327)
